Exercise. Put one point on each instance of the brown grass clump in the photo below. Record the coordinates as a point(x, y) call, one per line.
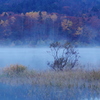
point(93, 75)
point(14, 69)
point(59, 78)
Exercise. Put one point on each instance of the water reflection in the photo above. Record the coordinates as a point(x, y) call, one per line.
point(31, 92)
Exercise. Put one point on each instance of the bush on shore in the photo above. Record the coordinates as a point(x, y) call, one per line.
point(14, 69)
point(65, 56)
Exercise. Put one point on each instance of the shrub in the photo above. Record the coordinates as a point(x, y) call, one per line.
point(65, 56)
point(14, 69)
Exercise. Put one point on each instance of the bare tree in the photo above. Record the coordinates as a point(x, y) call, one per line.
point(65, 56)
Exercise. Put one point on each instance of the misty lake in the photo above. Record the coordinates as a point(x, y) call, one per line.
point(37, 58)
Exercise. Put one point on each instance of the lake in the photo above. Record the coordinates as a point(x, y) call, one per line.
point(31, 92)
point(37, 58)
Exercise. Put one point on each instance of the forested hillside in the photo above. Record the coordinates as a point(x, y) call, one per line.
point(32, 22)
point(69, 7)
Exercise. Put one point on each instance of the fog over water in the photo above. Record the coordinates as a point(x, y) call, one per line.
point(37, 58)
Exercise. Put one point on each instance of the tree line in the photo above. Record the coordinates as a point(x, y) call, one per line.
point(33, 28)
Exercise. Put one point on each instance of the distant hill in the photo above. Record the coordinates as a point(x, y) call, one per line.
point(69, 7)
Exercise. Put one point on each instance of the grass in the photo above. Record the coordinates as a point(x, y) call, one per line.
point(52, 85)
point(19, 74)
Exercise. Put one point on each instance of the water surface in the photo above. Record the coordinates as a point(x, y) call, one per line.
point(37, 58)
point(31, 92)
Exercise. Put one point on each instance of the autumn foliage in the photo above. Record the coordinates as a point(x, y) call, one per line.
point(33, 28)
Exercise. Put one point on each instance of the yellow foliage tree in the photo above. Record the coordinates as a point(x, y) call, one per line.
point(4, 14)
point(34, 15)
point(12, 19)
point(79, 31)
point(54, 17)
point(4, 23)
point(45, 15)
point(1, 22)
point(66, 24)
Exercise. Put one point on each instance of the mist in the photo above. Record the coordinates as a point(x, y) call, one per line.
point(37, 58)
point(34, 58)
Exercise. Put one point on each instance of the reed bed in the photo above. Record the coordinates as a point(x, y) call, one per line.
point(76, 84)
point(18, 74)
